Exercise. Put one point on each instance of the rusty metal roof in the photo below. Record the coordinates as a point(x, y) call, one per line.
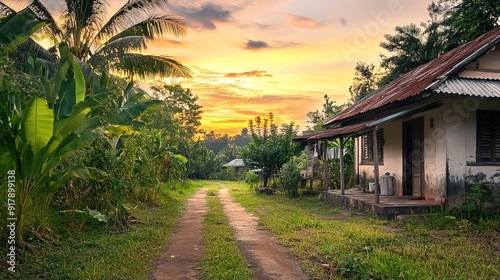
point(333, 133)
point(424, 77)
point(472, 87)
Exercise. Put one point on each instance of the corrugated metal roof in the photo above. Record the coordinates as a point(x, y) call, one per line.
point(472, 87)
point(332, 133)
point(234, 163)
point(421, 78)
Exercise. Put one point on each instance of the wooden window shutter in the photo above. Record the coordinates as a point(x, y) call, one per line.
point(380, 145)
point(367, 149)
point(488, 136)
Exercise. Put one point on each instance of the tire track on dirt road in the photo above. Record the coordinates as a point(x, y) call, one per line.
point(180, 259)
point(267, 258)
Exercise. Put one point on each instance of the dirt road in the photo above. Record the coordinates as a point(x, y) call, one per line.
point(267, 259)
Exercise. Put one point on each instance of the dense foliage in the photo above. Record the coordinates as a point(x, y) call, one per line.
point(75, 137)
point(271, 146)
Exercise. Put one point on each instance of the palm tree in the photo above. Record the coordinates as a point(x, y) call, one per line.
point(112, 44)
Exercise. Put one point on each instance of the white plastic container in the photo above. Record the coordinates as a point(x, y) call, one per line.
point(371, 186)
point(387, 185)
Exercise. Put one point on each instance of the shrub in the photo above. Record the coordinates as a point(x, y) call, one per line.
point(252, 179)
point(289, 177)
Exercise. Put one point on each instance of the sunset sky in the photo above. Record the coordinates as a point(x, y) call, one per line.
point(252, 57)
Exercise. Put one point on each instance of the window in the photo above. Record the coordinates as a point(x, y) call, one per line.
point(367, 147)
point(488, 137)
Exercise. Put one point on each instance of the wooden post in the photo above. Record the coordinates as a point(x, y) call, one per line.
point(342, 182)
point(325, 165)
point(375, 164)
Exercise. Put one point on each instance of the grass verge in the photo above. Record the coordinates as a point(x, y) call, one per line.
point(97, 254)
point(221, 257)
point(337, 244)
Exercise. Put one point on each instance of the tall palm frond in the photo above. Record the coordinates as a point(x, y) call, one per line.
point(128, 14)
point(30, 46)
point(113, 44)
point(5, 10)
point(145, 66)
point(154, 26)
point(123, 45)
point(43, 13)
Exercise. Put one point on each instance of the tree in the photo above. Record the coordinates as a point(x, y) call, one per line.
point(241, 139)
point(177, 117)
point(230, 152)
point(460, 21)
point(216, 142)
point(329, 110)
point(271, 146)
point(451, 23)
point(408, 50)
point(202, 163)
point(112, 44)
point(364, 82)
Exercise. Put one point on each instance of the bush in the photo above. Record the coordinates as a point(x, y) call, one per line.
point(289, 177)
point(481, 199)
point(252, 179)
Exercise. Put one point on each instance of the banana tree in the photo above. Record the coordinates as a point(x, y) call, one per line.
point(45, 130)
point(16, 28)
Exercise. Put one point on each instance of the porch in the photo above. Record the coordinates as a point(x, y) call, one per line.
point(389, 207)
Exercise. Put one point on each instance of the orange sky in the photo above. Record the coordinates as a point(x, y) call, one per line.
point(252, 57)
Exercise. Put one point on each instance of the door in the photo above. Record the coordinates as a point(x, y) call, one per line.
point(413, 157)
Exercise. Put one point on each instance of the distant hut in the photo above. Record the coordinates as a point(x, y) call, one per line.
point(237, 164)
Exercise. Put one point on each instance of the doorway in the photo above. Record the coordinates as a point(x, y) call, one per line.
point(413, 157)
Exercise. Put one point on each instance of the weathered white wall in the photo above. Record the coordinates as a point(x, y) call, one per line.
point(482, 67)
point(450, 144)
point(392, 161)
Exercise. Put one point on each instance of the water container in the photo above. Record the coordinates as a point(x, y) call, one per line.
point(371, 187)
point(387, 185)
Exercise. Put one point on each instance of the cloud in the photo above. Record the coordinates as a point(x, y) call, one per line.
point(256, 45)
point(169, 42)
point(204, 16)
point(303, 22)
point(253, 73)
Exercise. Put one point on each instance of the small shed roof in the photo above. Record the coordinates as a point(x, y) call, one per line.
point(234, 163)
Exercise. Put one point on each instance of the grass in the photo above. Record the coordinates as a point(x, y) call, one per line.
point(221, 257)
point(333, 245)
point(97, 254)
point(329, 243)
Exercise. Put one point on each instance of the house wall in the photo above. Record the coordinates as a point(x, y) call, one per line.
point(434, 147)
point(449, 149)
point(459, 117)
point(483, 67)
point(392, 161)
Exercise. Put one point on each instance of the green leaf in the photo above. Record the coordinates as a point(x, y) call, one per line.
point(129, 113)
point(71, 124)
point(78, 171)
point(15, 29)
point(38, 124)
point(79, 84)
point(70, 92)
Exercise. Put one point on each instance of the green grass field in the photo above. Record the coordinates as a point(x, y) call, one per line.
point(95, 253)
point(335, 244)
point(328, 242)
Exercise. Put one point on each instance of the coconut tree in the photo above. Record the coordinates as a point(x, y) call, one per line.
point(111, 43)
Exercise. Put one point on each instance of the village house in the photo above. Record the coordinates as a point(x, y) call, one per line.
point(429, 128)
